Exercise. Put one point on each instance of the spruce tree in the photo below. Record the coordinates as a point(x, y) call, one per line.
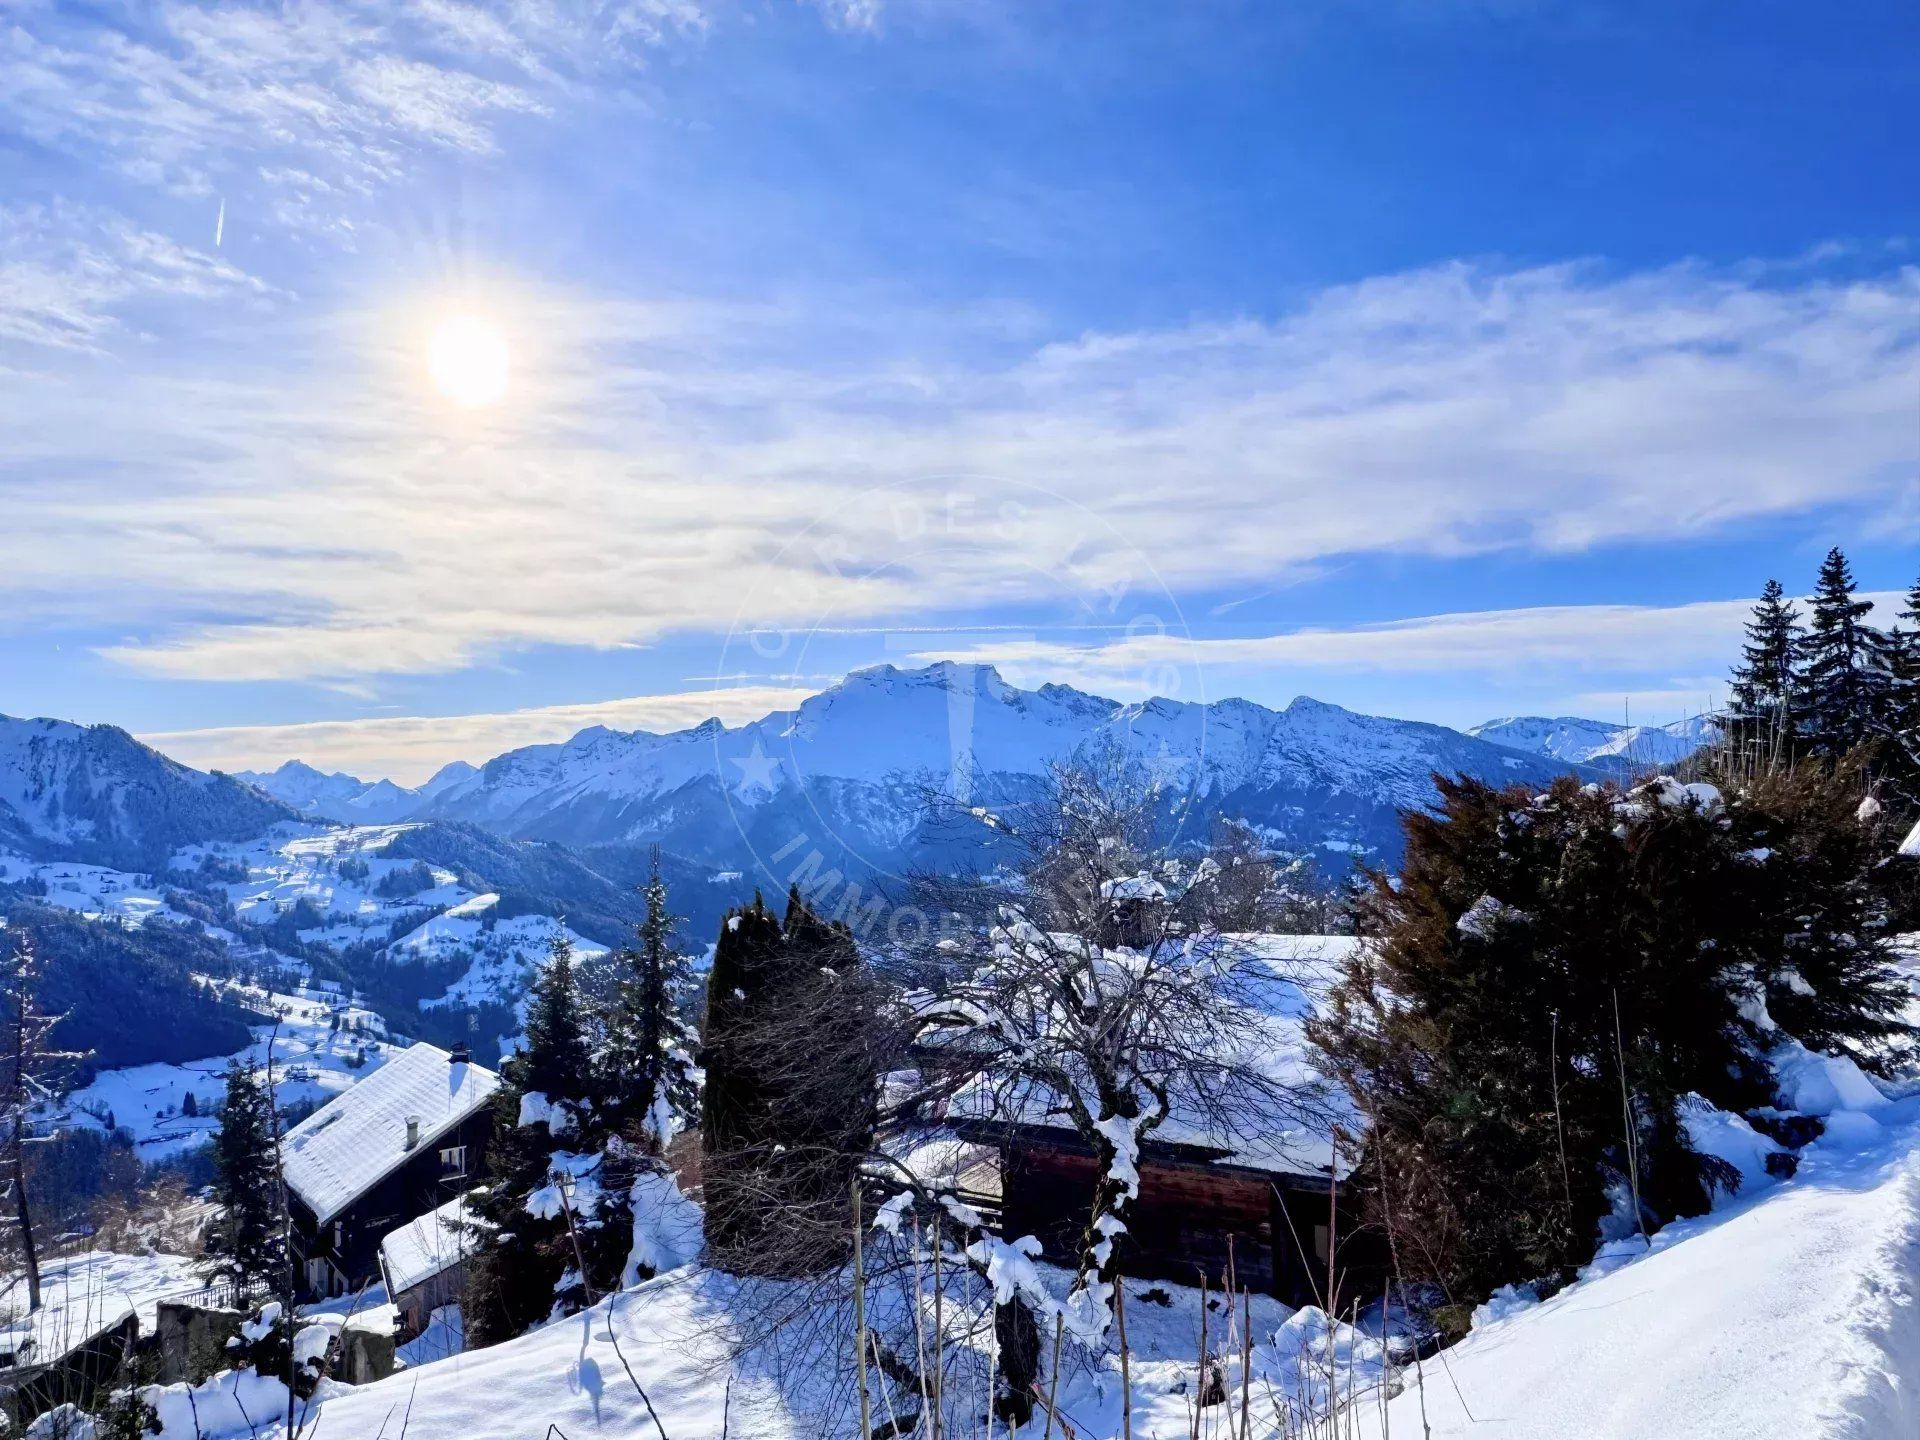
point(1844, 660)
point(1903, 704)
point(554, 1061)
point(1763, 717)
point(650, 1047)
point(547, 1228)
point(247, 1245)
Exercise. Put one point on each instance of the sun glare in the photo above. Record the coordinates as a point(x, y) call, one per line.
point(467, 359)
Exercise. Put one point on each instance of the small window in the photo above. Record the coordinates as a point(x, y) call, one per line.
point(453, 1160)
point(1322, 1238)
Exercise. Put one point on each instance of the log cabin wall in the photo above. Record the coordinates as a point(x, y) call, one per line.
point(1178, 1229)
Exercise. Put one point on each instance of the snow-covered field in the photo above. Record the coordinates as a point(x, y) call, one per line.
point(312, 1061)
point(82, 1295)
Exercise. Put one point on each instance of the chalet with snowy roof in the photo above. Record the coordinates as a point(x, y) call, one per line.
point(1910, 847)
point(400, 1144)
point(1264, 1197)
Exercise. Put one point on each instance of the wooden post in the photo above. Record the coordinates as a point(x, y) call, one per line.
point(1126, 1369)
point(860, 1316)
point(1053, 1380)
point(939, 1329)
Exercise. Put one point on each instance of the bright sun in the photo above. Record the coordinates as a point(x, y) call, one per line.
point(467, 358)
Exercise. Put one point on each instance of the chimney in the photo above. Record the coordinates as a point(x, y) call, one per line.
point(413, 1131)
point(460, 1054)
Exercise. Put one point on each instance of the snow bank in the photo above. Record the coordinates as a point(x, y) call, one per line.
point(1817, 1084)
point(676, 1332)
point(668, 1230)
point(234, 1402)
point(1790, 1312)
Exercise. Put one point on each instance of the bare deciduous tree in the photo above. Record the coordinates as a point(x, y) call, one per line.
point(29, 1072)
point(1097, 976)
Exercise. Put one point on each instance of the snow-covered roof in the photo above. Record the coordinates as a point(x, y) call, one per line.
point(1911, 845)
point(1302, 968)
point(351, 1144)
point(422, 1248)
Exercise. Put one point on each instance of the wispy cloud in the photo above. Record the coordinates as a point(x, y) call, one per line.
point(1552, 646)
point(193, 96)
point(678, 468)
point(66, 274)
point(410, 748)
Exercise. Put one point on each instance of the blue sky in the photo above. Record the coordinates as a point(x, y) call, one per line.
point(1439, 359)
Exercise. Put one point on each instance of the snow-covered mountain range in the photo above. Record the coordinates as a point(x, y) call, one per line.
point(1595, 742)
point(343, 797)
point(848, 771)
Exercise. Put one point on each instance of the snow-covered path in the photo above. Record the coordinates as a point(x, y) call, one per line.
point(1789, 1314)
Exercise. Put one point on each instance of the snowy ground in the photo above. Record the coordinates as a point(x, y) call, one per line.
point(1791, 1313)
point(82, 1295)
point(501, 954)
point(312, 1061)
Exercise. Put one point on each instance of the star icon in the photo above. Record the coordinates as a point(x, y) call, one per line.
point(756, 771)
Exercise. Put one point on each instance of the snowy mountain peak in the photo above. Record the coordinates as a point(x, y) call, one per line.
point(946, 675)
point(94, 793)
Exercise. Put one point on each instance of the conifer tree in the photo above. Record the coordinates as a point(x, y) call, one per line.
point(788, 1109)
point(1764, 713)
point(554, 1061)
point(547, 1228)
point(1536, 956)
point(1903, 702)
point(650, 1047)
point(1811, 898)
point(1844, 661)
point(247, 1245)
point(735, 1103)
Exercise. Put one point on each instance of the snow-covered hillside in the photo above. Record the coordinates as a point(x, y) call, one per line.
point(1793, 1310)
point(1595, 742)
point(359, 895)
point(95, 794)
point(320, 1044)
point(343, 894)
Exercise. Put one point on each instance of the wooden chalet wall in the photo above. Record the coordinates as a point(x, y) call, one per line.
point(416, 1306)
point(1181, 1225)
point(407, 1193)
